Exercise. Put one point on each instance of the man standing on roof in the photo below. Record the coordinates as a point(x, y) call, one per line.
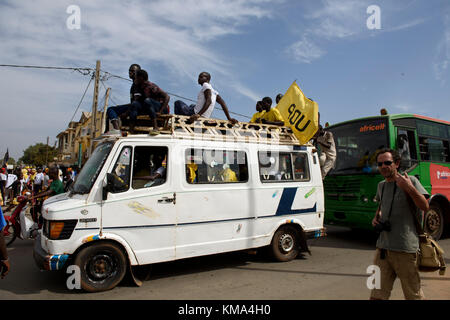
point(113, 113)
point(206, 101)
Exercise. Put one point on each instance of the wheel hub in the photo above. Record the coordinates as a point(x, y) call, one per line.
point(286, 242)
point(433, 221)
point(101, 267)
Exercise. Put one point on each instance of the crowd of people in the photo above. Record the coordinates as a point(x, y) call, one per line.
point(23, 179)
point(147, 98)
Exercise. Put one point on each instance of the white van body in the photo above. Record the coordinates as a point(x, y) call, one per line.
point(178, 219)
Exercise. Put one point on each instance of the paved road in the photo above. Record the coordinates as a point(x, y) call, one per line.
point(336, 270)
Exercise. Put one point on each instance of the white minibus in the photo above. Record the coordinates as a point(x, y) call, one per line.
point(190, 191)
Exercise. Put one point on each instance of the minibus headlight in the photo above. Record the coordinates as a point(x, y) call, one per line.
point(59, 230)
point(55, 229)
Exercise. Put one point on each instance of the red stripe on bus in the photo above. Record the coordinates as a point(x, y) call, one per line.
point(432, 119)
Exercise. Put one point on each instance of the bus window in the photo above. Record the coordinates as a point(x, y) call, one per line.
point(215, 166)
point(406, 147)
point(436, 150)
point(274, 166)
point(149, 168)
point(301, 170)
point(121, 171)
point(357, 144)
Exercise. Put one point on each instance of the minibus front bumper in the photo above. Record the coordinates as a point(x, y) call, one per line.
point(44, 261)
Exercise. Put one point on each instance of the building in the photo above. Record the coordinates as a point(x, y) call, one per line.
point(74, 142)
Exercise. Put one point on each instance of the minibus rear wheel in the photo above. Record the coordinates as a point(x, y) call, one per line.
point(285, 244)
point(103, 266)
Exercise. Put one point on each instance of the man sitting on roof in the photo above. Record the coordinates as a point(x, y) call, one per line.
point(260, 112)
point(113, 113)
point(155, 100)
point(272, 115)
point(206, 100)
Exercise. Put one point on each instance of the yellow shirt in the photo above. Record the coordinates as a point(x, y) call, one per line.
point(229, 175)
point(257, 116)
point(192, 168)
point(273, 115)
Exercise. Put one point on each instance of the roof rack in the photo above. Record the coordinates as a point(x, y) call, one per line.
point(214, 129)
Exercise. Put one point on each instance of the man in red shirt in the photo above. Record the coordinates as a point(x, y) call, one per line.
point(155, 100)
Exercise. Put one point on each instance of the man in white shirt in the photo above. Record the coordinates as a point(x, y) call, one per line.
point(206, 101)
point(327, 157)
point(38, 179)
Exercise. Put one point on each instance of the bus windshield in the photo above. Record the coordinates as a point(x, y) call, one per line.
point(92, 168)
point(356, 145)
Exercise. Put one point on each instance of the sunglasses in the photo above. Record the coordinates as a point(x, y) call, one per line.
point(387, 163)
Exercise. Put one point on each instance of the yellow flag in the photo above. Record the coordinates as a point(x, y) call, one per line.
point(299, 113)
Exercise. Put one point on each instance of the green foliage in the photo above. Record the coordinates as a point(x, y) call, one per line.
point(37, 154)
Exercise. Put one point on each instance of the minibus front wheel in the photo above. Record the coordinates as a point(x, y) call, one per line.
point(103, 266)
point(285, 244)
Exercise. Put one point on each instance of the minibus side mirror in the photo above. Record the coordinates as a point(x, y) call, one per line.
point(109, 186)
point(105, 189)
point(114, 184)
point(105, 193)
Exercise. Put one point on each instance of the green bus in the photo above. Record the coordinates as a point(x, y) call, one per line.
point(423, 144)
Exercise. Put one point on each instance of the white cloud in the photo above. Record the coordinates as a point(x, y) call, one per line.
point(304, 51)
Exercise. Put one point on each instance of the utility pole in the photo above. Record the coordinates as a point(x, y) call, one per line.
point(94, 106)
point(104, 111)
point(46, 155)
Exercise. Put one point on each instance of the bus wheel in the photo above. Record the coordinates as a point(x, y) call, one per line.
point(285, 246)
point(434, 221)
point(102, 266)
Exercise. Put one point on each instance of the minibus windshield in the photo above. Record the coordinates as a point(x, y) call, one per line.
point(91, 169)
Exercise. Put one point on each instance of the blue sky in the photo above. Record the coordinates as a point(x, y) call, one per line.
point(252, 48)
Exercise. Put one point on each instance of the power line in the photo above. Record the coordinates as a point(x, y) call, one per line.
point(81, 99)
point(84, 71)
point(106, 76)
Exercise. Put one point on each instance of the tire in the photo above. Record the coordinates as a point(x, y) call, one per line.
point(285, 244)
point(9, 232)
point(102, 266)
point(434, 221)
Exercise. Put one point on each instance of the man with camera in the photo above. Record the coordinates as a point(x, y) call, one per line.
point(400, 196)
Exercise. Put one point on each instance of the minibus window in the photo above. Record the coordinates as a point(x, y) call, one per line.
point(149, 167)
point(301, 169)
point(121, 170)
point(275, 166)
point(86, 178)
point(215, 166)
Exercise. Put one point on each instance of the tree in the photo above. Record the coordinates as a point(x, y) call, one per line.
point(37, 155)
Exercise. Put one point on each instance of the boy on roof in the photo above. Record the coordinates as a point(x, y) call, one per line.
point(272, 115)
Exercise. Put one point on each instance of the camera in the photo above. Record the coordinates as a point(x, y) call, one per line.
point(383, 226)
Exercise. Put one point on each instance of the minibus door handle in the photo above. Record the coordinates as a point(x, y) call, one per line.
point(167, 199)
